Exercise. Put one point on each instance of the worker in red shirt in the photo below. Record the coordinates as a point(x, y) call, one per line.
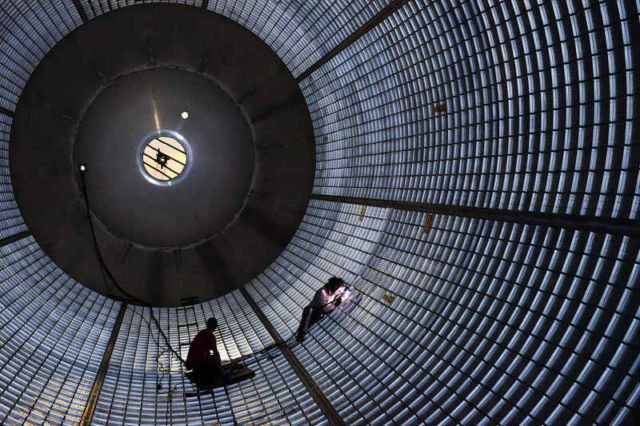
point(204, 357)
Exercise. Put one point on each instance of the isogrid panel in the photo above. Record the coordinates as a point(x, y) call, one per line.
point(53, 333)
point(95, 8)
point(28, 30)
point(11, 221)
point(469, 320)
point(299, 32)
point(507, 105)
point(323, 240)
point(145, 384)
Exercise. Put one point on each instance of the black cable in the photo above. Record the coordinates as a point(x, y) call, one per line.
point(105, 269)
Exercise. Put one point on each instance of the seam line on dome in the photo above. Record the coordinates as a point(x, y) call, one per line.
point(13, 238)
point(6, 112)
point(81, 12)
point(604, 225)
point(205, 4)
point(327, 409)
point(366, 27)
point(92, 402)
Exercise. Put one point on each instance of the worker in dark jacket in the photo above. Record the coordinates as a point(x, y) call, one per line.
point(324, 301)
point(204, 357)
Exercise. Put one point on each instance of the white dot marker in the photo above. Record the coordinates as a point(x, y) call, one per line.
point(82, 167)
point(184, 115)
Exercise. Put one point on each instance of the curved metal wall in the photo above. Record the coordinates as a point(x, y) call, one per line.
point(476, 180)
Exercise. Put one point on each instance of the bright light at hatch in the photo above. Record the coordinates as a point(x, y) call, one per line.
point(164, 157)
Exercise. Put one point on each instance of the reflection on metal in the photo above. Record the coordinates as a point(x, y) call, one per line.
point(492, 321)
point(87, 416)
point(327, 409)
point(585, 223)
point(379, 17)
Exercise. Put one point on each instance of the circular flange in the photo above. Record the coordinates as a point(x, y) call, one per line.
point(164, 157)
point(97, 99)
point(129, 117)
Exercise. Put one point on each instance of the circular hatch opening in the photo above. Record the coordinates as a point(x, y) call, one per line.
point(164, 157)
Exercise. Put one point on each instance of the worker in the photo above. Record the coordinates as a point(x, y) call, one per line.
point(204, 357)
point(324, 302)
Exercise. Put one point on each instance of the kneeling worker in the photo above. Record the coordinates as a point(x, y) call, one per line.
point(207, 369)
point(325, 300)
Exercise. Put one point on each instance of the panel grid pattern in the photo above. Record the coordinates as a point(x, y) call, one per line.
point(53, 333)
point(141, 361)
point(501, 105)
point(466, 320)
point(28, 30)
